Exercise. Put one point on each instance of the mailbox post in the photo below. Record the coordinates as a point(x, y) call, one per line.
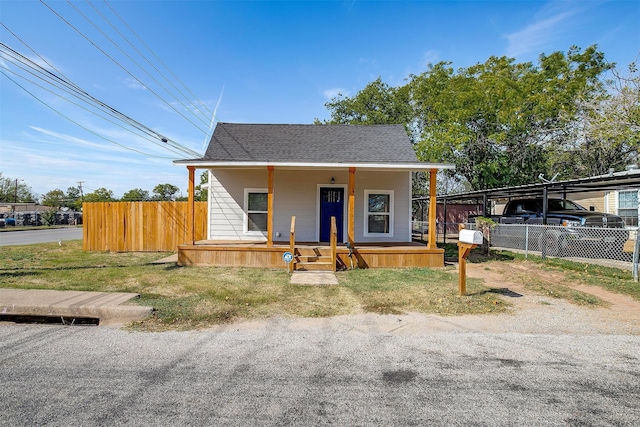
point(467, 240)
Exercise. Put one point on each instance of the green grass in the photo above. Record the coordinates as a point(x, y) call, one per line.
point(196, 297)
point(396, 291)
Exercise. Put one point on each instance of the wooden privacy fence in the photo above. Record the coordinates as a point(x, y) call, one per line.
point(140, 226)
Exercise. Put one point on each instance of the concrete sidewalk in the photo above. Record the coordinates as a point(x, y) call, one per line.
point(106, 307)
point(319, 278)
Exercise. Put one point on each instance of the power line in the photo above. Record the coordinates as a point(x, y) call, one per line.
point(92, 112)
point(129, 56)
point(213, 114)
point(153, 140)
point(120, 65)
point(78, 124)
point(196, 106)
point(66, 85)
point(71, 88)
point(176, 150)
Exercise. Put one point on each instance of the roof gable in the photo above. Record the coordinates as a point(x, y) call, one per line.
point(310, 143)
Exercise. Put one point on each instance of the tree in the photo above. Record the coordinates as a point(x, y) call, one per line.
point(165, 192)
point(100, 195)
point(135, 195)
point(202, 189)
point(49, 217)
point(54, 198)
point(377, 103)
point(15, 191)
point(607, 135)
point(500, 122)
point(74, 198)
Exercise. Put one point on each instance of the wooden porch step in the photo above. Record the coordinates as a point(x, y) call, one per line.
point(313, 251)
point(313, 258)
point(315, 265)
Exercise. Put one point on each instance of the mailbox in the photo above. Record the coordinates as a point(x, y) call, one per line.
point(472, 237)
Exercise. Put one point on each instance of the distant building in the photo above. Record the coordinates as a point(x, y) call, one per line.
point(11, 208)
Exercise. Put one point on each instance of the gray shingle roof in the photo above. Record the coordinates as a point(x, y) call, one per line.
point(310, 143)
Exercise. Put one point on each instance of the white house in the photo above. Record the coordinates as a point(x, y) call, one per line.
point(262, 175)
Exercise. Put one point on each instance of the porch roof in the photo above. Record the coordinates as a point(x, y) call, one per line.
point(296, 146)
point(416, 166)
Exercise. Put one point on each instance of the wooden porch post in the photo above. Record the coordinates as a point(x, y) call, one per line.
point(352, 206)
point(270, 208)
point(432, 209)
point(191, 239)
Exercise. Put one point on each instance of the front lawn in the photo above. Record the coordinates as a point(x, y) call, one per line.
point(196, 297)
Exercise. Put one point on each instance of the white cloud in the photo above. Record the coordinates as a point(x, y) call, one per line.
point(74, 140)
point(115, 141)
point(551, 24)
point(536, 36)
point(334, 92)
point(430, 57)
point(134, 84)
point(368, 61)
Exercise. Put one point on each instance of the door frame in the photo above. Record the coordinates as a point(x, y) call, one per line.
point(345, 209)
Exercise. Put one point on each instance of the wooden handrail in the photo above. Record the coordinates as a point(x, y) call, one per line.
point(334, 242)
point(292, 243)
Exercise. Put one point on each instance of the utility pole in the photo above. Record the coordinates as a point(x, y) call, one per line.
point(15, 195)
point(81, 194)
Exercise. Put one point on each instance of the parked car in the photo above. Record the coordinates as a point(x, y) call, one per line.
point(576, 228)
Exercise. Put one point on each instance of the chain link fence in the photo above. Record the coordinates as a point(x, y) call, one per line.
point(572, 242)
point(606, 246)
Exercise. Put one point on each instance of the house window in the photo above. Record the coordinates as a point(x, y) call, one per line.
point(378, 219)
point(628, 207)
point(255, 203)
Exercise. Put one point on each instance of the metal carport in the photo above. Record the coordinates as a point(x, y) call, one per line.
point(629, 179)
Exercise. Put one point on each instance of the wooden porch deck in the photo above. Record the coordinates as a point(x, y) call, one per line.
point(258, 254)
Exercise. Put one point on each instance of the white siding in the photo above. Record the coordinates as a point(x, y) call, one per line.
point(610, 202)
point(399, 183)
point(226, 202)
point(587, 200)
point(296, 193)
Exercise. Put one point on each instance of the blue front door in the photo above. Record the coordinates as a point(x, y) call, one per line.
point(331, 204)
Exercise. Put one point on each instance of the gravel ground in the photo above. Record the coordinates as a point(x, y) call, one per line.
point(353, 370)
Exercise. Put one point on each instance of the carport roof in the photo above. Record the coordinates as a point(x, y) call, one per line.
point(624, 180)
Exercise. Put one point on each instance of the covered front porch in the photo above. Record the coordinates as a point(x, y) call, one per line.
point(335, 254)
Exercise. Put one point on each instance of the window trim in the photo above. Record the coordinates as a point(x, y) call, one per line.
point(619, 209)
point(367, 193)
point(246, 212)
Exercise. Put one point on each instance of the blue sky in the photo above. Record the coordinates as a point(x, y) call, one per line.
point(251, 62)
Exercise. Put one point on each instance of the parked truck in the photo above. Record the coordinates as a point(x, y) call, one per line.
point(575, 227)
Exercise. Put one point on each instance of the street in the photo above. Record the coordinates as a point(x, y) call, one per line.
point(29, 237)
point(340, 371)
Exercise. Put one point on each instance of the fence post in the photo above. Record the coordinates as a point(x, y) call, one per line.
point(636, 253)
point(526, 240)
